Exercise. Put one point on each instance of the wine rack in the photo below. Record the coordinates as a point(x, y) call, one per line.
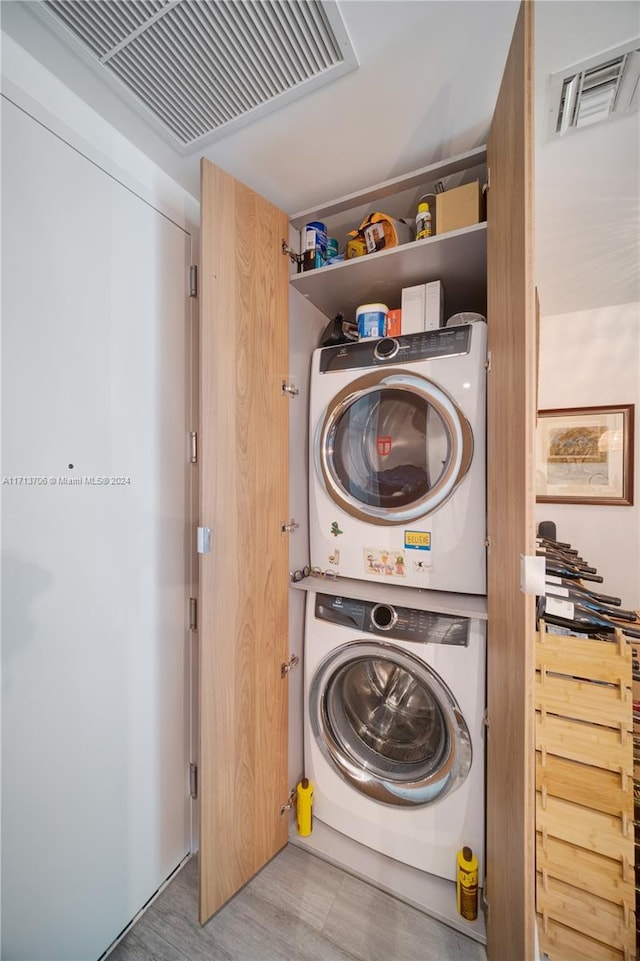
point(585, 797)
point(635, 665)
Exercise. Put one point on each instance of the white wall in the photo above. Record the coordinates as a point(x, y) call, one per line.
point(587, 359)
point(83, 338)
point(37, 91)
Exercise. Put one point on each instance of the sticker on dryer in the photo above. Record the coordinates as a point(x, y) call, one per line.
point(417, 540)
point(384, 563)
point(335, 529)
point(418, 547)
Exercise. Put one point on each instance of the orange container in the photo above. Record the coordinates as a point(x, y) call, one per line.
point(394, 323)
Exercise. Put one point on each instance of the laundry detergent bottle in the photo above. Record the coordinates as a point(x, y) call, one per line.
point(304, 803)
point(467, 884)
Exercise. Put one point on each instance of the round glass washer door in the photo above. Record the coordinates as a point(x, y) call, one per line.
point(392, 447)
point(389, 724)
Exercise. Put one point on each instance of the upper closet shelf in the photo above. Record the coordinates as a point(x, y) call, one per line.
point(458, 259)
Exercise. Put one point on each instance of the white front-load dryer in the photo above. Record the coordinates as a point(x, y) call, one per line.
point(394, 740)
point(397, 479)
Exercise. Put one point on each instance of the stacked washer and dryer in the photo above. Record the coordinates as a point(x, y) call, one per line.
point(395, 695)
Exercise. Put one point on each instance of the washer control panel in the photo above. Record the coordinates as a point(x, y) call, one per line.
point(389, 620)
point(407, 348)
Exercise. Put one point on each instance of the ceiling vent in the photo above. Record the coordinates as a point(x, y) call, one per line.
point(599, 89)
point(198, 70)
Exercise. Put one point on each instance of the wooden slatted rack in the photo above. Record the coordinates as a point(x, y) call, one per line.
point(584, 798)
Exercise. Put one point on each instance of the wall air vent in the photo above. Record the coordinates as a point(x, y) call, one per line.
point(197, 69)
point(599, 89)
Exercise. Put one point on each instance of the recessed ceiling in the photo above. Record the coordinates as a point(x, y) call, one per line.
point(197, 70)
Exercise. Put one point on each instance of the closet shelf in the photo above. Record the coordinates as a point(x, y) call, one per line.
point(440, 602)
point(458, 259)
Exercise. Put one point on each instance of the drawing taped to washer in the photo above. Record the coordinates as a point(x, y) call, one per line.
point(398, 461)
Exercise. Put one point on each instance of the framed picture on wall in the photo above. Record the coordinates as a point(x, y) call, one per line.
point(584, 455)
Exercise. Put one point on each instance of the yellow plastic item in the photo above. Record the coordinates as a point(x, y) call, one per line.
point(356, 247)
point(304, 804)
point(467, 884)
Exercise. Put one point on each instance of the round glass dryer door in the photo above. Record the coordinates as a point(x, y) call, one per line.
point(392, 447)
point(388, 724)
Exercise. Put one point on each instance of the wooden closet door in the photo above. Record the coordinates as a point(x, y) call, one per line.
point(244, 499)
point(511, 412)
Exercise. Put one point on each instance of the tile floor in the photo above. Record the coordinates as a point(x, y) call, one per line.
point(299, 908)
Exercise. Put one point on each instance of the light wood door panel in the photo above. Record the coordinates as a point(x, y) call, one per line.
point(510, 510)
point(243, 594)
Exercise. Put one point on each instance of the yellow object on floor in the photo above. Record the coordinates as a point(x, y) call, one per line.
point(467, 884)
point(304, 804)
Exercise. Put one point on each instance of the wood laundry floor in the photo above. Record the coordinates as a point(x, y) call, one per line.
point(298, 908)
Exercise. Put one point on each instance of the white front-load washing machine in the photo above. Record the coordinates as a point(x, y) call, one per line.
point(397, 480)
point(394, 739)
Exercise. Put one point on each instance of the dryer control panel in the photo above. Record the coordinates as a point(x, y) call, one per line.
point(405, 349)
point(387, 620)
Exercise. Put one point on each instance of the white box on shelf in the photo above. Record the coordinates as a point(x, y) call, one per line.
point(422, 307)
point(433, 305)
point(413, 309)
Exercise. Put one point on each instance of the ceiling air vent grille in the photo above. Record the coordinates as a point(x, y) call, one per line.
point(203, 68)
point(595, 91)
point(102, 26)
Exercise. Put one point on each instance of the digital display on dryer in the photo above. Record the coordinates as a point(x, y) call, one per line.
point(424, 627)
point(425, 345)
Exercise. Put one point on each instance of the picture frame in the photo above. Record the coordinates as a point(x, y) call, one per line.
point(584, 455)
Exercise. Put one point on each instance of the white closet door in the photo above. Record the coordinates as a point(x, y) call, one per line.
point(95, 508)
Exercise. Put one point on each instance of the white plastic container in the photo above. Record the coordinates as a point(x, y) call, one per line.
point(371, 320)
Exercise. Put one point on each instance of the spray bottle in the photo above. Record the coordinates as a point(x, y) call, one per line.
point(467, 884)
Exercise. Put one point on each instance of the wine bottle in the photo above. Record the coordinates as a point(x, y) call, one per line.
point(567, 613)
point(562, 613)
point(556, 545)
point(579, 597)
point(565, 582)
point(553, 541)
point(560, 569)
point(573, 561)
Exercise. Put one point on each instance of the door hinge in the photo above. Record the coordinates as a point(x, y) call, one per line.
point(193, 782)
point(485, 720)
point(193, 280)
point(487, 544)
point(487, 363)
point(193, 613)
point(289, 388)
point(193, 447)
point(204, 540)
point(288, 804)
point(290, 527)
point(290, 252)
point(486, 187)
point(289, 665)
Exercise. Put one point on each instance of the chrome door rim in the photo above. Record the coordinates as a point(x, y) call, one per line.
point(388, 790)
point(455, 421)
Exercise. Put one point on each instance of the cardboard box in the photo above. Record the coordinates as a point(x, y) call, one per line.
point(459, 207)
